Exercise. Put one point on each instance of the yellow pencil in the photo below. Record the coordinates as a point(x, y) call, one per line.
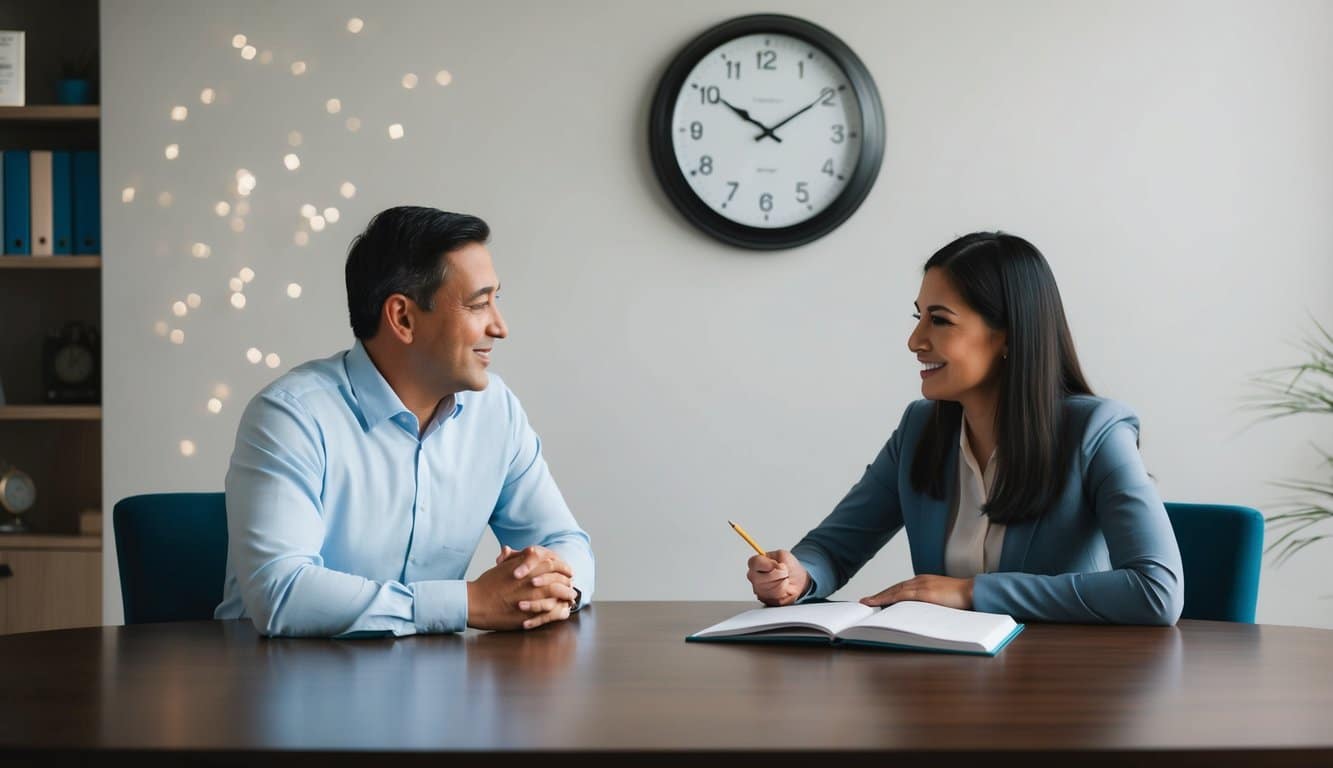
point(747, 538)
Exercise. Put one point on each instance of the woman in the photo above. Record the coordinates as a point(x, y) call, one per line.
point(1021, 492)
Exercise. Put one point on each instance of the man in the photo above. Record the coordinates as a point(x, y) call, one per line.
point(360, 484)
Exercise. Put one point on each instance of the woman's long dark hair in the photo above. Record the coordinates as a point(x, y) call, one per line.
point(1008, 282)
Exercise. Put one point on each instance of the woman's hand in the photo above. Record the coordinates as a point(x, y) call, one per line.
point(777, 578)
point(928, 588)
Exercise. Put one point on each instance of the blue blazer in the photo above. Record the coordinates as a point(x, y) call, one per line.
point(1104, 552)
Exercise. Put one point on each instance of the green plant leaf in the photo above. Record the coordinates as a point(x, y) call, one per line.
point(1305, 388)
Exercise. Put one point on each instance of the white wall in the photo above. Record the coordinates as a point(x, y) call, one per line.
point(1172, 160)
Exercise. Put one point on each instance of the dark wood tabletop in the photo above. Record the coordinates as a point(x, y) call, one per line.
point(619, 679)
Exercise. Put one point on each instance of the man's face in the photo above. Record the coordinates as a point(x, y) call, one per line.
point(455, 338)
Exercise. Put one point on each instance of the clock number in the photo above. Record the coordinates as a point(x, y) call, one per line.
point(766, 59)
point(765, 202)
point(800, 68)
point(735, 185)
point(839, 135)
point(826, 96)
point(706, 165)
point(828, 167)
point(733, 70)
point(802, 194)
point(696, 130)
point(710, 95)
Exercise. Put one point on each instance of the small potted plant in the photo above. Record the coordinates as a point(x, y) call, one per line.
point(75, 85)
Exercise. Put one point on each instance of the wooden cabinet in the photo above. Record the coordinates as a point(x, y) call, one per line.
point(50, 582)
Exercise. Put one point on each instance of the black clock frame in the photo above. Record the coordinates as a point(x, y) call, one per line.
point(858, 184)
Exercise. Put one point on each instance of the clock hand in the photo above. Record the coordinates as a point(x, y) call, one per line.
point(745, 115)
point(792, 116)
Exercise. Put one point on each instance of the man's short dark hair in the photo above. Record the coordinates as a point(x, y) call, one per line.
point(401, 252)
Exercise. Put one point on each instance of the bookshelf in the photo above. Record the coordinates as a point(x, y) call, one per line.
point(52, 113)
point(50, 413)
point(55, 567)
point(50, 262)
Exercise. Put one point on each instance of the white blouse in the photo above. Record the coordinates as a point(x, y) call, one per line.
point(974, 542)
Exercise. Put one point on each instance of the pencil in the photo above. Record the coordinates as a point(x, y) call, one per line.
point(747, 538)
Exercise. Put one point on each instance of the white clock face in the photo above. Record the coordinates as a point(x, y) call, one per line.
point(767, 130)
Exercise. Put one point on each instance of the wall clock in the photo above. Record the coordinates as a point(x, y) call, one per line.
point(766, 132)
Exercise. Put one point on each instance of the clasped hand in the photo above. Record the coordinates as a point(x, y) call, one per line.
point(778, 578)
point(527, 588)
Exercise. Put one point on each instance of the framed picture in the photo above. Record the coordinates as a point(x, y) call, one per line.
point(11, 68)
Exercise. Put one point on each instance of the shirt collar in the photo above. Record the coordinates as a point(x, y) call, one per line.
point(376, 398)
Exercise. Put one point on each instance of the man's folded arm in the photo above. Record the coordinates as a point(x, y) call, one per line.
point(531, 509)
point(276, 525)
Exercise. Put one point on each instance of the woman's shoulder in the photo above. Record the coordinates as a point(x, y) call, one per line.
point(914, 419)
point(915, 414)
point(1093, 418)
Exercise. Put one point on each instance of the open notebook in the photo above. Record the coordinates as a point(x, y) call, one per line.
point(909, 625)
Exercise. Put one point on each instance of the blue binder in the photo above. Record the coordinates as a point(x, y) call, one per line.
point(18, 207)
point(62, 203)
point(87, 204)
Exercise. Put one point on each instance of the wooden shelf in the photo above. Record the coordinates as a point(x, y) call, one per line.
point(50, 262)
point(52, 113)
point(49, 541)
point(50, 412)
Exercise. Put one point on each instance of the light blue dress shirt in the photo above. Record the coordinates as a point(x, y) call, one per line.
point(343, 522)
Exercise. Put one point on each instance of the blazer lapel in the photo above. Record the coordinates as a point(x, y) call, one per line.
point(933, 527)
point(933, 522)
point(1017, 539)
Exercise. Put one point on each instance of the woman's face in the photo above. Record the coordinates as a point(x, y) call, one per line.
point(960, 354)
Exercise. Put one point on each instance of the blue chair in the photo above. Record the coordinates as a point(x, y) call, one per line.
point(172, 553)
point(1221, 547)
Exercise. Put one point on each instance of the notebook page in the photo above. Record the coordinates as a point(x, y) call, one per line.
point(937, 621)
point(829, 617)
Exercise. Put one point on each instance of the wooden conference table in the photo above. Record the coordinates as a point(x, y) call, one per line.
point(618, 684)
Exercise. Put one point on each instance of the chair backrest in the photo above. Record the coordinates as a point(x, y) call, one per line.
point(1221, 547)
point(172, 553)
